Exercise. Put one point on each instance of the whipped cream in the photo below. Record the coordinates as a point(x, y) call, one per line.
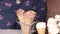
point(57, 17)
point(53, 30)
point(41, 25)
point(52, 20)
point(51, 25)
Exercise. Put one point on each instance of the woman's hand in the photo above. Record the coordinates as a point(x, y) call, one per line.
point(26, 17)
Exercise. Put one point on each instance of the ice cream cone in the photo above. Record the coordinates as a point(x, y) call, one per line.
point(52, 28)
point(41, 26)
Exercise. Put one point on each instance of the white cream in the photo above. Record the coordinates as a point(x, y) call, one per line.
point(57, 17)
point(41, 25)
point(52, 20)
point(53, 30)
point(51, 25)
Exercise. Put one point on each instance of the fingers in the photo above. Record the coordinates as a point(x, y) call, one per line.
point(33, 12)
point(20, 13)
point(30, 14)
point(25, 16)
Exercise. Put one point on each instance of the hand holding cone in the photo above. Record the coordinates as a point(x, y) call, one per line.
point(26, 18)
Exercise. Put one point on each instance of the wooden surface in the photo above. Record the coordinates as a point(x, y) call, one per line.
point(53, 7)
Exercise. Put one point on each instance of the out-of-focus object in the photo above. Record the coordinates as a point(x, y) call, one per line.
point(18, 1)
point(41, 27)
